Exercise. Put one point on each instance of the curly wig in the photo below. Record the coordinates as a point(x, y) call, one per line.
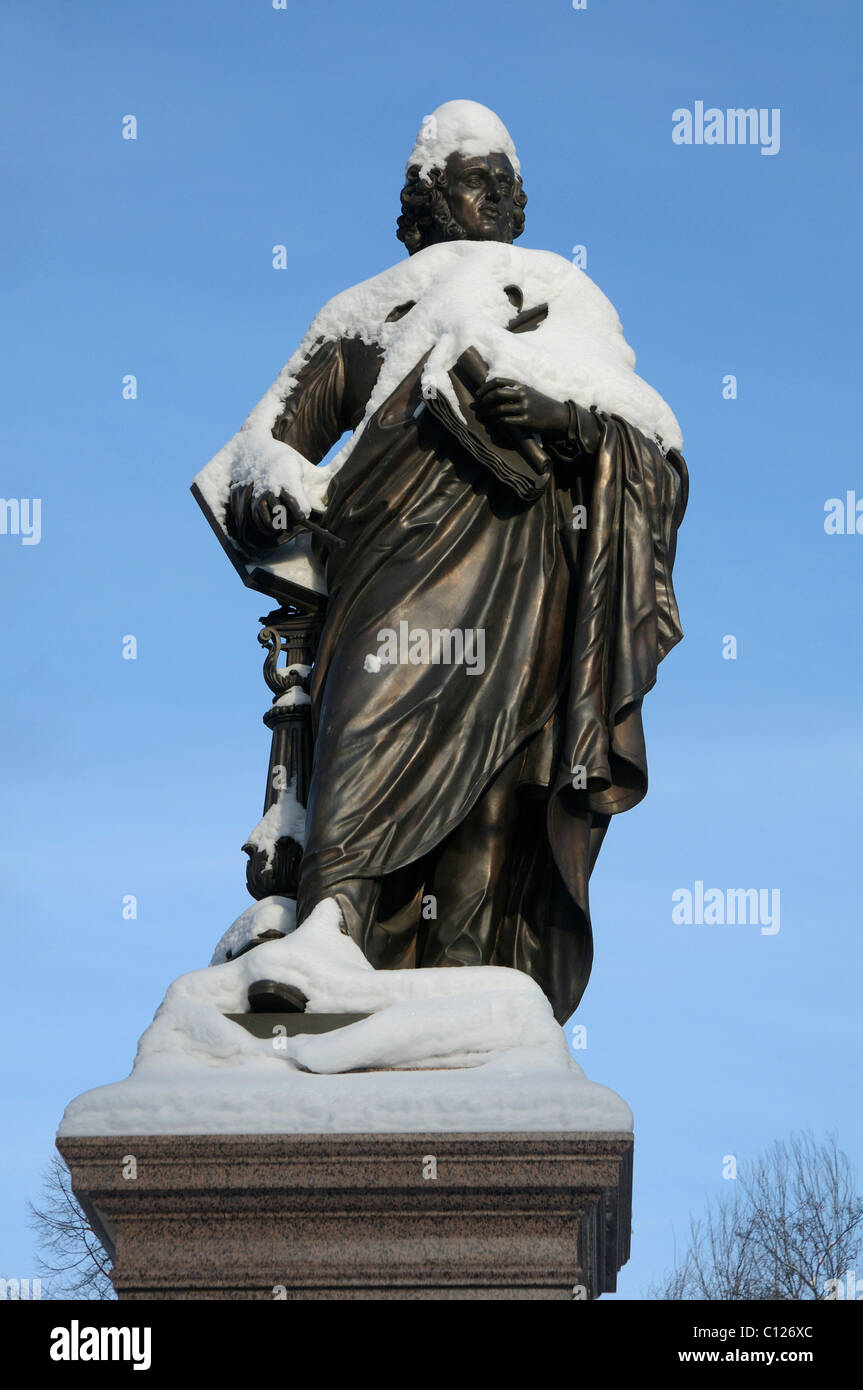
point(425, 208)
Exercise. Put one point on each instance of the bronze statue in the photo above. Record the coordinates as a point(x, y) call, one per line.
point(497, 562)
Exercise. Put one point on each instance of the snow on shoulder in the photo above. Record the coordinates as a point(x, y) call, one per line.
point(458, 291)
point(473, 1049)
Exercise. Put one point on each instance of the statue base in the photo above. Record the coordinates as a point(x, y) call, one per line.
point(358, 1216)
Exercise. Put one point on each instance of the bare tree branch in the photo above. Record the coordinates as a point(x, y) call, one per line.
point(791, 1228)
point(71, 1261)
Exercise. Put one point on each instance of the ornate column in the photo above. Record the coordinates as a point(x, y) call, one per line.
point(275, 847)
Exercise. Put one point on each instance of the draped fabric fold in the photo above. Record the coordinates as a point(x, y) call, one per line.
point(626, 622)
point(423, 766)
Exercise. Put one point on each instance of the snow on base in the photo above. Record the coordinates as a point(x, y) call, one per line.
point(468, 1049)
point(509, 1094)
point(270, 914)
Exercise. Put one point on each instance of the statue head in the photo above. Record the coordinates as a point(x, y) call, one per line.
point(463, 180)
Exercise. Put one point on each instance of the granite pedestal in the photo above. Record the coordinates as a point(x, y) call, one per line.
point(358, 1216)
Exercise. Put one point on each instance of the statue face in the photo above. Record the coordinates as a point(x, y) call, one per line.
point(479, 192)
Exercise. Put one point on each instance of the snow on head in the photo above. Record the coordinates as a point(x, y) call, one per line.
point(463, 127)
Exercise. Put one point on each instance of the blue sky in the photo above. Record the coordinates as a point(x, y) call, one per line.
point(153, 257)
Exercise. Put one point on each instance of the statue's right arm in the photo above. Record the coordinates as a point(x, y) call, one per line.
point(310, 421)
point(328, 398)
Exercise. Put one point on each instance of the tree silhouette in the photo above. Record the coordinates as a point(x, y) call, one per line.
point(71, 1261)
point(791, 1229)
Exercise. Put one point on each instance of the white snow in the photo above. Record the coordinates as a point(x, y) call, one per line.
point(578, 353)
point(285, 818)
point(295, 695)
point(471, 1049)
point(270, 914)
point(466, 127)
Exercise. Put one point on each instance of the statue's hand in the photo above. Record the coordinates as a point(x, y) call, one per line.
point(259, 521)
point(508, 402)
point(275, 513)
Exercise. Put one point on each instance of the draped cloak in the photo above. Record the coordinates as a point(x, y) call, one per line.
point(576, 621)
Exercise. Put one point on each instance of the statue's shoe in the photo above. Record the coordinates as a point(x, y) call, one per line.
point(272, 997)
point(271, 935)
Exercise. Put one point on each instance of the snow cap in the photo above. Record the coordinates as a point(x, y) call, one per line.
point(463, 126)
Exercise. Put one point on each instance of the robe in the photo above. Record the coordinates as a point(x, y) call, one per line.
point(424, 772)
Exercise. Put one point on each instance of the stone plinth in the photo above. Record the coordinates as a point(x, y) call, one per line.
point(359, 1216)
